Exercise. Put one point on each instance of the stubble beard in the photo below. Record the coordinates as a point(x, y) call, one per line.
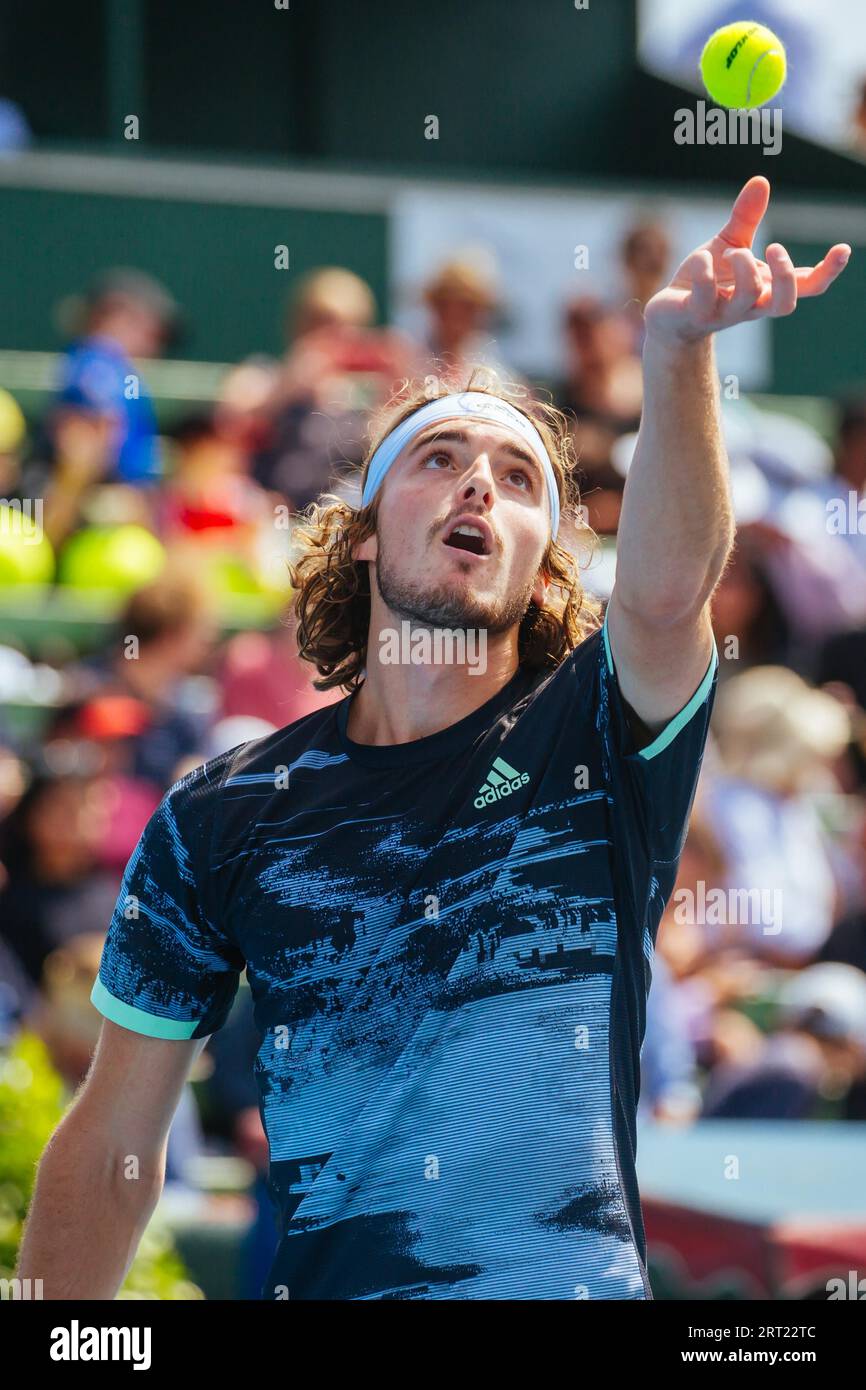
point(444, 606)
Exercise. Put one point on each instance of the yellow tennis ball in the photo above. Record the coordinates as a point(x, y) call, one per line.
point(743, 64)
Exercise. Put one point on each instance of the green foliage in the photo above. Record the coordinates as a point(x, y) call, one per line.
point(32, 1101)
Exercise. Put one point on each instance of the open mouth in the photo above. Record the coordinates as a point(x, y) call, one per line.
point(465, 536)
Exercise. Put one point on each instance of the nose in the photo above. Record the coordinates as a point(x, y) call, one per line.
point(477, 485)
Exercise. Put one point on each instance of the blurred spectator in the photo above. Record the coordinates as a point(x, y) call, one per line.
point(603, 389)
point(817, 1055)
point(111, 724)
point(682, 939)
point(749, 625)
point(840, 662)
point(12, 779)
point(801, 509)
point(645, 255)
point(15, 132)
point(461, 300)
point(65, 1017)
point(210, 495)
point(242, 408)
point(840, 670)
point(103, 426)
point(234, 730)
point(336, 370)
point(17, 992)
point(779, 743)
point(165, 635)
point(669, 1082)
point(328, 298)
point(857, 132)
point(850, 450)
point(847, 941)
point(261, 674)
point(712, 976)
point(49, 848)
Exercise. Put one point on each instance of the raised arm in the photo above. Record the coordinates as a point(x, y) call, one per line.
point(676, 525)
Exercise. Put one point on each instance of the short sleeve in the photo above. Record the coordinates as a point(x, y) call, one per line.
point(166, 970)
point(661, 778)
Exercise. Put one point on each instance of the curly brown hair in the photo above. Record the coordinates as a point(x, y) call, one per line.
point(332, 590)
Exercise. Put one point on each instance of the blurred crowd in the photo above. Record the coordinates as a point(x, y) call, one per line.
point(758, 1007)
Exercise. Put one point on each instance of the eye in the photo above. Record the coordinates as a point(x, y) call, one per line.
point(435, 457)
point(521, 477)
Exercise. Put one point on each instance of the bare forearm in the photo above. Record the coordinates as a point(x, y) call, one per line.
point(88, 1214)
point(676, 524)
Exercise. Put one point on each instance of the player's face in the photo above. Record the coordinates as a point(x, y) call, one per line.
point(463, 524)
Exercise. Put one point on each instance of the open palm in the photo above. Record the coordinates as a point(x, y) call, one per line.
point(723, 283)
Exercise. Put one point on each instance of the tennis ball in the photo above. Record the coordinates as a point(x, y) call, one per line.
point(743, 65)
point(122, 558)
point(227, 575)
point(26, 555)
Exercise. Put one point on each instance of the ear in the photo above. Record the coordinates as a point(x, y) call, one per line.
point(541, 589)
point(367, 549)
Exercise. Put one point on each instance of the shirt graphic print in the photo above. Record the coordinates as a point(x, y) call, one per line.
point(449, 946)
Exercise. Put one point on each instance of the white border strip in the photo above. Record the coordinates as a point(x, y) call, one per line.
point(261, 185)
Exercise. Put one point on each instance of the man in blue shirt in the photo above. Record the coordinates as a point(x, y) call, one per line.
point(128, 316)
point(444, 889)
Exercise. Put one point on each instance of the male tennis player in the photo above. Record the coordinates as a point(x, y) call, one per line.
point(445, 889)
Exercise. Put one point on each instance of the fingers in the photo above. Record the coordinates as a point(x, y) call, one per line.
point(780, 296)
point(749, 207)
point(717, 291)
point(748, 285)
point(702, 297)
point(815, 279)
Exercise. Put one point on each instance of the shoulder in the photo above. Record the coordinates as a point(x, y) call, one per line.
point(199, 789)
point(577, 673)
point(195, 797)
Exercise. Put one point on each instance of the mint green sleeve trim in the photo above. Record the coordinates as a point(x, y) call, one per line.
point(137, 1020)
point(607, 644)
point(679, 721)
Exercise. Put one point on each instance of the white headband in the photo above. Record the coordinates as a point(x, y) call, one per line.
point(469, 405)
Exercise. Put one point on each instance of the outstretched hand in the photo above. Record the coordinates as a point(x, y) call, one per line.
point(723, 283)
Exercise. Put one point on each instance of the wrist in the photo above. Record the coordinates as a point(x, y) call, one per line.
point(678, 351)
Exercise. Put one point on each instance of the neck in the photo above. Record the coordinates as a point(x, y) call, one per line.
point(401, 701)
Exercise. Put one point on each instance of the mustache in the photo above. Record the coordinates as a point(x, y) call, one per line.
point(439, 527)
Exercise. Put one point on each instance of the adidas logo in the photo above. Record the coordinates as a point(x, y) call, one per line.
point(502, 780)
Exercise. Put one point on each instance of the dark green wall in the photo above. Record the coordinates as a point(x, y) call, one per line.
point(521, 88)
point(53, 63)
point(800, 166)
point(230, 77)
point(218, 260)
point(820, 349)
point(514, 85)
point(522, 91)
